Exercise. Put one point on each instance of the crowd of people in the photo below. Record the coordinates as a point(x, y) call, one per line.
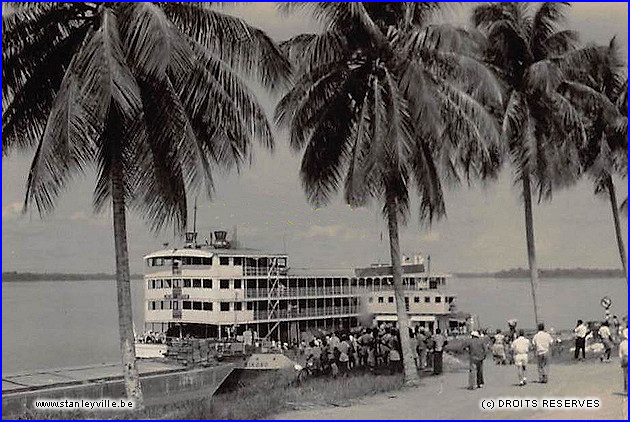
point(375, 350)
point(514, 347)
point(378, 349)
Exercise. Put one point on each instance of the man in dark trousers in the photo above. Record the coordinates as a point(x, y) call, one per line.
point(477, 350)
point(580, 332)
point(439, 341)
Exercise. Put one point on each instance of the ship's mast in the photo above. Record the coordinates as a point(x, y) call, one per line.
point(195, 217)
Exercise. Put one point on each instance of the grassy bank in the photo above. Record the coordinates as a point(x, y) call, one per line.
point(260, 398)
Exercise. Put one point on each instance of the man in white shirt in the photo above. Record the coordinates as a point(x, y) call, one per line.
point(580, 339)
point(543, 341)
point(520, 347)
point(623, 356)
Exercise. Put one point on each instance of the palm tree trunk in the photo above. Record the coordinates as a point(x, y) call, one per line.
point(615, 211)
point(123, 288)
point(531, 247)
point(409, 365)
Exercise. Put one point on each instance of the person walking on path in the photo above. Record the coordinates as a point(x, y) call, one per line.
point(521, 347)
point(606, 336)
point(543, 341)
point(477, 352)
point(509, 338)
point(623, 356)
point(580, 333)
point(422, 348)
point(498, 349)
point(439, 341)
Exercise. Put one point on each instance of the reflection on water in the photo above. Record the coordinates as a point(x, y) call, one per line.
point(73, 323)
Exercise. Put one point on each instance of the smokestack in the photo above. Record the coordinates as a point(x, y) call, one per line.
point(220, 239)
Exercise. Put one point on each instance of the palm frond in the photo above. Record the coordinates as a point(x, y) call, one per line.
point(243, 47)
point(545, 23)
point(301, 108)
point(25, 112)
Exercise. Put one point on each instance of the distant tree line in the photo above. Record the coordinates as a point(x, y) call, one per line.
point(550, 273)
point(18, 276)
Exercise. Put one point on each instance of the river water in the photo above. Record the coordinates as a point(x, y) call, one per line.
point(51, 324)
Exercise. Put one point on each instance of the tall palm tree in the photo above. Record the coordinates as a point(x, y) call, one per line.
point(530, 52)
point(147, 94)
point(384, 102)
point(602, 95)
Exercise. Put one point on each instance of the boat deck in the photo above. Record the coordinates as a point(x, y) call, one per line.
point(78, 375)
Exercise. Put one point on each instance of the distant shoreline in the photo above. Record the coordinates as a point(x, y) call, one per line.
point(546, 273)
point(13, 276)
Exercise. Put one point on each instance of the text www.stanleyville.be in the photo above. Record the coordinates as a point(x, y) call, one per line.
point(521, 403)
point(83, 404)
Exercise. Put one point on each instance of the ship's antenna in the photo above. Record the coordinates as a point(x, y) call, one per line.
point(195, 217)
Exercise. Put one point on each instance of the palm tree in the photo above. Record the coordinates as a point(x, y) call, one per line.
point(384, 102)
point(542, 129)
point(602, 95)
point(147, 94)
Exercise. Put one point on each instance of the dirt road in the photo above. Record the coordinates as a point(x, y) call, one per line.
point(446, 396)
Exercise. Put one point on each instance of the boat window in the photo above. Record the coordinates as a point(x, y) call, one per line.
point(175, 305)
point(282, 262)
point(154, 283)
point(167, 283)
point(250, 306)
point(224, 284)
point(187, 282)
point(186, 304)
point(196, 260)
point(416, 299)
point(438, 299)
point(238, 260)
point(390, 299)
point(238, 306)
point(177, 282)
point(433, 283)
point(206, 261)
point(225, 306)
point(161, 283)
point(196, 282)
point(224, 260)
point(380, 299)
point(162, 304)
point(207, 283)
point(427, 299)
point(207, 306)
point(237, 284)
point(196, 306)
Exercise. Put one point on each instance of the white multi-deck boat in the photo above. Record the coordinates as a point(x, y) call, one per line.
point(216, 290)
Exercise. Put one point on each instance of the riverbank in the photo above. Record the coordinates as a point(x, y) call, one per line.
point(446, 397)
point(261, 397)
point(274, 395)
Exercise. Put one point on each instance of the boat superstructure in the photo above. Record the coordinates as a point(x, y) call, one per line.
point(217, 290)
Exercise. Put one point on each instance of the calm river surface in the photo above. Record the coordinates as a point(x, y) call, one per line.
point(51, 324)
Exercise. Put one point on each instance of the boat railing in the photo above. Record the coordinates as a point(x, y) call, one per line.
point(307, 312)
point(262, 271)
point(254, 293)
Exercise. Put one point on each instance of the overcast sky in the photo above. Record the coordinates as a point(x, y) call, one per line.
point(484, 229)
